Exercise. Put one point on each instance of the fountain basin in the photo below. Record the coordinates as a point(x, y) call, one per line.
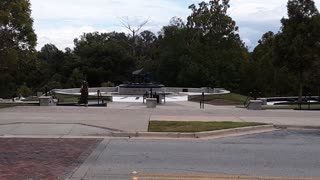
point(140, 89)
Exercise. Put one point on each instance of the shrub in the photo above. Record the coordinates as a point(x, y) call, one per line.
point(24, 91)
point(107, 84)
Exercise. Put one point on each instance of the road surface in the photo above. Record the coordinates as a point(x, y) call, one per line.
point(274, 155)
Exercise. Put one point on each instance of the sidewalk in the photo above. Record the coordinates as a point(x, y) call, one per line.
point(135, 117)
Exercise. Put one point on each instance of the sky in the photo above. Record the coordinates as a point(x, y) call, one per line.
point(59, 22)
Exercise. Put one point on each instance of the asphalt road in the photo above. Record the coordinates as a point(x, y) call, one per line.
point(286, 153)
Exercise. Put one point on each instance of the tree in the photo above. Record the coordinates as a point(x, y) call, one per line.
point(24, 91)
point(134, 30)
point(16, 30)
point(17, 40)
point(265, 77)
point(171, 52)
point(145, 49)
point(217, 48)
point(50, 54)
point(104, 57)
point(212, 19)
point(75, 79)
point(297, 45)
point(205, 51)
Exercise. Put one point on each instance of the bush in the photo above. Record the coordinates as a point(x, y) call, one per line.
point(53, 85)
point(24, 91)
point(107, 84)
point(7, 86)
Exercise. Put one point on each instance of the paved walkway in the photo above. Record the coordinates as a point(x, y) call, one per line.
point(49, 159)
point(135, 117)
point(121, 156)
point(52, 130)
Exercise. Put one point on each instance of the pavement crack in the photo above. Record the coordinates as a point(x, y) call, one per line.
point(71, 129)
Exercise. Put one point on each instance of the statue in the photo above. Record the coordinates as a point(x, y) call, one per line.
point(141, 77)
point(84, 93)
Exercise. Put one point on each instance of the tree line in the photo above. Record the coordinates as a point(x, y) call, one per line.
point(203, 51)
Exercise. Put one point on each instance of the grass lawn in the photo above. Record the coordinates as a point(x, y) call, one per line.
point(67, 99)
point(2, 105)
point(223, 99)
point(194, 126)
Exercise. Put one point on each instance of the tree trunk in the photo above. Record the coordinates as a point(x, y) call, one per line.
point(300, 86)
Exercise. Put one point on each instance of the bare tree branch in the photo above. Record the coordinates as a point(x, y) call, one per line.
point(126, 24)
point(142, 25)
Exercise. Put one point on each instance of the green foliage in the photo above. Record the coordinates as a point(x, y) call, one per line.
point(54, 85)
point(2, 106)
point(17, 42)
point(224, 99)
point(7, 86)
point(16, 25)
point(266, 77)
point(75, 79)
point(107, 84)
point(195, 126)
point(105, 57)
point(297, 45)
point(206, 50)
point(24, 91)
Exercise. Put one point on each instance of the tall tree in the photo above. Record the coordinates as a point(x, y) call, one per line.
point(220, 50)
point(171, 53)
point(17, 41)
point(267, 78)
point(105, 57)
point(297, 45)
point(146, 42)
point(134, 30)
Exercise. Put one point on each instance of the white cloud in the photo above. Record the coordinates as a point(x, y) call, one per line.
point(60, 21)
point(255, 17)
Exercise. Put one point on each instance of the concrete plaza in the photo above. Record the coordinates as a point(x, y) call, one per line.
point(283, 154)
point(135, 117)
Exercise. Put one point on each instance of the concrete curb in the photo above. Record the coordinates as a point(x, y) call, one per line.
point(198, 135)
point(281, 126)
point(62, 123)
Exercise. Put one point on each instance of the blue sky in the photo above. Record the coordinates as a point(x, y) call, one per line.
point(60, 21)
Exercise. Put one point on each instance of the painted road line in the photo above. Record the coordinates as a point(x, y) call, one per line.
point(155, 176)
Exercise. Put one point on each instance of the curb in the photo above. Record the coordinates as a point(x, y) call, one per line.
point(280, 126)
point(198, 135)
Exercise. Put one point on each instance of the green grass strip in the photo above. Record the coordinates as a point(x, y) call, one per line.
point(223, 99)
point(3, 105)
point(195, 126)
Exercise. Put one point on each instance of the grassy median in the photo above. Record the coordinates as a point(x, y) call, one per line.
point(3, 105)
point(194, 126)
point(222, 99)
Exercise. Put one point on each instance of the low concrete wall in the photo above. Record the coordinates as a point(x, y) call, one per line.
point(142, 91)
point(194, 90)
point(77, 90)
point(138, 91)
point(255, 105)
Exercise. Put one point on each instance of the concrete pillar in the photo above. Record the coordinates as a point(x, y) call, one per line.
point(151, 102)
point(47, 101)
point(255, 105)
